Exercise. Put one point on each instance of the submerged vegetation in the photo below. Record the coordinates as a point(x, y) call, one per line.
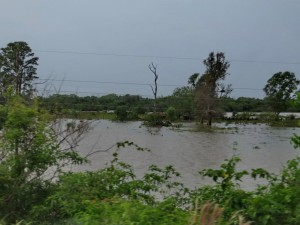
point(244, 110)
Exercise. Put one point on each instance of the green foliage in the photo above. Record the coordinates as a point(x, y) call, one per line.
point(296, 141)
point(216, 66)
point(18, 69)
point(59, 102)
point(102, 195)
point(295, 103)
point(279, 90)
point(280, 202)
point(226, 192)
point(140, 110)
point(193, 80)
point(127, 212)
point(171, 113)
point(32, 155)
point(226, 176)
point(154, 119)
point(114, 195)
point(3, 116)
point(242, 104)
point(121, 113)
point(29, 148)
point(183, 100)
point(277, 202)
point(209, 87)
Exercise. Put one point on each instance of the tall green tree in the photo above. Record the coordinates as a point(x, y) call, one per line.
point(280, 88)
point(182, 100)
point(34, 148)
point(209, 87)
point(18, 68)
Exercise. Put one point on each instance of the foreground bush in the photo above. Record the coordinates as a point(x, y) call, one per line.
point(91, 196)
point(30, 146)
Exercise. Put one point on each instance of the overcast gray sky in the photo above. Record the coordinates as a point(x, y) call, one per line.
point(114, 41)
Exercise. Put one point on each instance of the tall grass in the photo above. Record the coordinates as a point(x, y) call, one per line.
point(211, 214)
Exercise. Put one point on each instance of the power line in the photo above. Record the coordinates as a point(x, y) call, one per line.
point(161, 57)
point(243, 88)
point(85, 92)
point(264, 62)
point(118, 55)
point(109, 82)
point(134, 83)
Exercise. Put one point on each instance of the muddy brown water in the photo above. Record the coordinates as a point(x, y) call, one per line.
point(189, 149)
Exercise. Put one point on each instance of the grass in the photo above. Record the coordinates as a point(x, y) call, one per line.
point(211, 214)
point(285, 123)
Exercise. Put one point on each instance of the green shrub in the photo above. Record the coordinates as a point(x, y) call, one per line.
point(84, 195)
point(126, 212)
point(154, 119)
point(121, 113)
point(171, 113)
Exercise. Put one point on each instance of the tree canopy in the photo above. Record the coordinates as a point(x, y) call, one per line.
point(279, 89)
point(209, 87)
point(18, 68)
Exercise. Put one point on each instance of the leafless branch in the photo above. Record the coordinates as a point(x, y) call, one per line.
point(100, 150)
point(153, 69)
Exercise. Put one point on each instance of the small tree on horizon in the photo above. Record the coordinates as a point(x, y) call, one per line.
point(279, 90)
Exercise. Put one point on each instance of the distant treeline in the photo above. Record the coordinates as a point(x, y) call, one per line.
point(184, 105)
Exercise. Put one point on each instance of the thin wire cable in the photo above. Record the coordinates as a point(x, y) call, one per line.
point(161, 57)
point(117, 55)
point(110, 82)
point(133, 83)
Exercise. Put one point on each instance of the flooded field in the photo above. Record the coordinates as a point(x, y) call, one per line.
point(188, 149)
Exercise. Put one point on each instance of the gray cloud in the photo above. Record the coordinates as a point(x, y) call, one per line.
point(251, 33)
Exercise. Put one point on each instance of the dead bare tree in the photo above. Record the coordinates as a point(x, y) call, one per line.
point(153, 69)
